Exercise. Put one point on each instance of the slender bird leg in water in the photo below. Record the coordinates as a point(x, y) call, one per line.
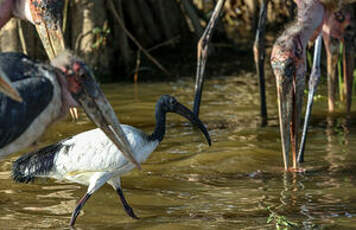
point(80, 205)
point(202, 55)
point(127, 207)
point(332, 53)
point(334, 33)
point(115, 182)
point(288, 63)
point(348, 67)
point(348, 74)
point(259, 57)
point(313, 84)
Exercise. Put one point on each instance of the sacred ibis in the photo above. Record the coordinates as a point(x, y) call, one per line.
point(90, 158)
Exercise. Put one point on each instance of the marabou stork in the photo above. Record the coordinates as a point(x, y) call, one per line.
point(334, 28)
point(288, 63)
point(46, 15)
point(48, 91)
point(258, 51)
point(288, 59)
point(91, 159)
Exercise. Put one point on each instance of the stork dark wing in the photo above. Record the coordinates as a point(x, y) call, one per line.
point(17, 66)
point(36, 91)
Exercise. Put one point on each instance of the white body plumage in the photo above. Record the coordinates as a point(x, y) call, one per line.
point(90, 158)
point(91, 154)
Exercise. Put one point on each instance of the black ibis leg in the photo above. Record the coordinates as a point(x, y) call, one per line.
point(202, 55)
point(78, 208)
point(127, 207)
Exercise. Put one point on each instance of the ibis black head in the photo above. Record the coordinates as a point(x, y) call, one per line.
point(79, 81)
point(167, 103)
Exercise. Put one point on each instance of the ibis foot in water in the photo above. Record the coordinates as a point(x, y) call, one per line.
point(127, 207)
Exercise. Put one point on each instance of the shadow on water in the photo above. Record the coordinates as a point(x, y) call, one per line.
point(185, 184)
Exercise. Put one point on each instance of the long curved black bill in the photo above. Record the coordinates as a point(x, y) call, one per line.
point(313, 84)
point(202, 56)
point(185, 112)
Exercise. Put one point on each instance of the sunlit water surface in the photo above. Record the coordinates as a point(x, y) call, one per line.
point(187, 185)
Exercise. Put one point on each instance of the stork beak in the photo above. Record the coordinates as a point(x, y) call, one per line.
point(185, 112)
point(52, 38)
point(8, 89)
point(284, 108)
point(53, 41)
point(290, 96)
point(99, 110)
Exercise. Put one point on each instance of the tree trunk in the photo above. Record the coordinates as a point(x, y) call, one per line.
point(9, 39)
point(87, 16)
point(95, 35)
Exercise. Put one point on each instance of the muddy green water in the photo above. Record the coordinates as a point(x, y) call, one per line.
point(187, 185)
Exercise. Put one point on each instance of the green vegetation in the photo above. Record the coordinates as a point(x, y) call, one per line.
point(281, 222)
point(339, 67)
point(101, 34)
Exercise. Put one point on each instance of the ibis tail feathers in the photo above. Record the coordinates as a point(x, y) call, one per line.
point(37, 163)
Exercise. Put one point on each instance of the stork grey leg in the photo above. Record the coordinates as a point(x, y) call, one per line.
point(313, 84)
point(202, 54)
point(259, 56)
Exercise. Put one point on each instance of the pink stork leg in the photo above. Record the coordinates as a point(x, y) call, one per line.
point(333, 34)
point(348, 66)
point(332, 51)
point(348, 60)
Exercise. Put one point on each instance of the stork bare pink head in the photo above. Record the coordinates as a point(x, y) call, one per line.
point(336, 23)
